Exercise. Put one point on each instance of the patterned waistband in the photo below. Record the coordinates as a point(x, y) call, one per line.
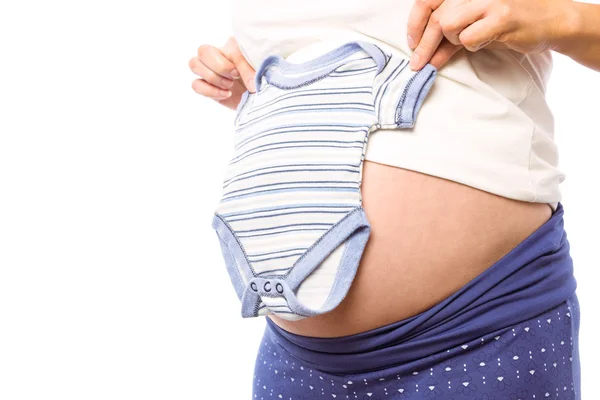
point(532, 278)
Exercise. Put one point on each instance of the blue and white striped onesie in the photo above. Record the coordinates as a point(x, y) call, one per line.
point(291, 224)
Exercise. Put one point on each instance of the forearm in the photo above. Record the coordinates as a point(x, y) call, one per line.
point(579, 37)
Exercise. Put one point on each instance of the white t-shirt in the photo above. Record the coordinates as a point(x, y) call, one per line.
point(485, 122)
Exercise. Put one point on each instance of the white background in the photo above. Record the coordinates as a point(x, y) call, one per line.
point(112, 284)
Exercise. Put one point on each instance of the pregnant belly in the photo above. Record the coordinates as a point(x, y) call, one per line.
point(429, 237)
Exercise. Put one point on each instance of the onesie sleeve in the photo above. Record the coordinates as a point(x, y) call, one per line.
point(399, 92)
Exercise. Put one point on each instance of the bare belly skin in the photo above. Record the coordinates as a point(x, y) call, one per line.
point(429, 237)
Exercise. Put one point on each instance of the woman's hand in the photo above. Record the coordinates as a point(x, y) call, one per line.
point(437, 29)
point(224, 73)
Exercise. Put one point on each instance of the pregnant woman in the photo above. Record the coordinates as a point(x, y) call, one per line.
point(465, 289)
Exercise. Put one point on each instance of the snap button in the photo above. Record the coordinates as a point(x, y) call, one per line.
point(253, 287)
point(267, 286)
point(279, 288)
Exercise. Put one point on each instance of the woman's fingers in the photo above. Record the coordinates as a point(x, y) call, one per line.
point(232, 51)
point(224, 74)
point(206, 89)
point(217, 73)
point(208, 73)
point(457, 19)
point(216, 61)
point(432, 37)
point(479, 34)
point(444, 53)
point(418, 18)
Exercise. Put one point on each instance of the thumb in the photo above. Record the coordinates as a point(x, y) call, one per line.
point(444, 53)
point(232, 51)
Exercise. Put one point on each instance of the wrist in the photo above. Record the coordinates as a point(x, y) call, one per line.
point(571, 29)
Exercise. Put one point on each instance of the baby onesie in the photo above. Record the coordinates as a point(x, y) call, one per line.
point(290, 221)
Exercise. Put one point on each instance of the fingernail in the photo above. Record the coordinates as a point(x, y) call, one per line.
point(234, 74)
point(482, 45)
point(411, 42)
point(225, 93)
point(414, 61)
point(228, 83)
point(250, 85)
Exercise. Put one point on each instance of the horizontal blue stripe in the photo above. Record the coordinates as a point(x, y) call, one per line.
point(284, 312)
point(312, 104)
point(304, 189)
point(278, 306)
point(241, 175)
point(292, 165)
point(352, 72)
point(283, 183)
point(307, 125)
point(358, 146)
point(287, 213)
point(275, 252)
point(286, 226)
point(286, 207)
point(315, 93)
point(295, 141)
point(341, 71)
point(308, 110)
point(292, 170)
point(362, 129)
point(270, 271)
point(278, 257)
point(333, 107)
point(321, 127)
point(274, 273)
point(277, 233)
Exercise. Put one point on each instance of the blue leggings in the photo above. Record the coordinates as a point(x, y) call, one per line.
point(511, 333)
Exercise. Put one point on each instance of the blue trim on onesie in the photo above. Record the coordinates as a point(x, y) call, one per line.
point(314, 69)
point(230, 245)
point(354, 229)
point(414, 94)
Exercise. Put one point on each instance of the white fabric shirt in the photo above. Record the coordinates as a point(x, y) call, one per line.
point(485, 122)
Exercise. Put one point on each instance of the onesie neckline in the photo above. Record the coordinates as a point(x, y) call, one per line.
point(284, 74)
